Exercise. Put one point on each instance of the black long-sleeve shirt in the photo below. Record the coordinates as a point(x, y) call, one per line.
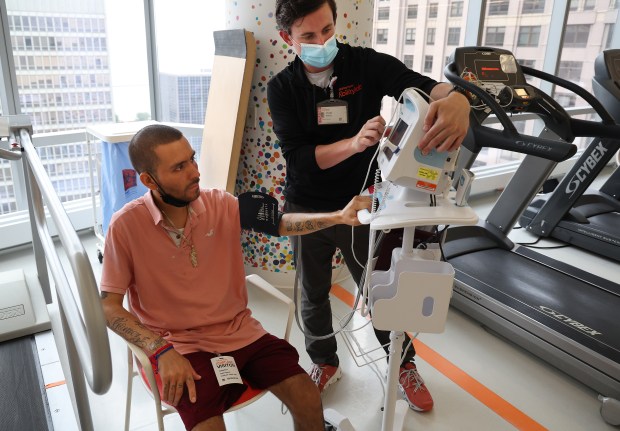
point(364, 77)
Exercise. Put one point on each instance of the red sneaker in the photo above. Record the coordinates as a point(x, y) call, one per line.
point(413, 389)
point(324, 375)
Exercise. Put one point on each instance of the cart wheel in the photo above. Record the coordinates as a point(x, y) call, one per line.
point(100, 256)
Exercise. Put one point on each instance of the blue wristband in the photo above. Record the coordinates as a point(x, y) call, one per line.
point(155, 356)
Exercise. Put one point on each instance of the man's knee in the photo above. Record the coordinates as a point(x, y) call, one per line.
point(300, 394)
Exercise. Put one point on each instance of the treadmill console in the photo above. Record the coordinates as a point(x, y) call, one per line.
point(496, 72)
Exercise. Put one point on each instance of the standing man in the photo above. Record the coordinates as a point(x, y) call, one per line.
point(325, 108)
point(176, 252)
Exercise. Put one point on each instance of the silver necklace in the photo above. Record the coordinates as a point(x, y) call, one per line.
point(193, 255)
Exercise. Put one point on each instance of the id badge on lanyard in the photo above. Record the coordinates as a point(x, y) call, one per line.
point(332, 111)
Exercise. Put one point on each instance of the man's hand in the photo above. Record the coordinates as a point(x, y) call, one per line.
point(176, 372)
point(348, 214)
point(446, 123)
point(369, 135)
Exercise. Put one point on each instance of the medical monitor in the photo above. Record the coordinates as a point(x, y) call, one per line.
point(400, 160)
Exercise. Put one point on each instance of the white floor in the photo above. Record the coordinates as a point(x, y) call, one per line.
point(478, 381)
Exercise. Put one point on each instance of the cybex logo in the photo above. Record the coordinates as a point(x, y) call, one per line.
point(567, 320)
point(533, 145)
point(582, 173)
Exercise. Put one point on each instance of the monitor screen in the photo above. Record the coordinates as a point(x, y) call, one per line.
point(521, 92)
point(396, 136)
point(398, 131)
point(490, 70)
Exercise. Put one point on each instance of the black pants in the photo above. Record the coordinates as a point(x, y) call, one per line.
point(314, 267)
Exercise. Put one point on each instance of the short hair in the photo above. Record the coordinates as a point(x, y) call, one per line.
point(289, 11)
point(142, 146)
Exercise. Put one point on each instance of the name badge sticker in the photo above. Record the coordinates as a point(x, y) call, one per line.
point(332, 111)
point(226, 370)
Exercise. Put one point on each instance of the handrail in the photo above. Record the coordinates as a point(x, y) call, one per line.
point(85, 331)
point(9, 155)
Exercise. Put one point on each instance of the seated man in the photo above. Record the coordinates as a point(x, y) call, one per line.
point(176, 252)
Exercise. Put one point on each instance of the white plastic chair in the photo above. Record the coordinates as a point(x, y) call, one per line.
point(139, 364)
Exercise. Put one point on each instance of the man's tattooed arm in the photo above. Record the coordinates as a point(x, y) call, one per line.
point(304, 223)
point(301, 227)
point(127, 325)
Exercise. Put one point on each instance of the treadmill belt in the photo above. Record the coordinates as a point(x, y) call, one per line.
point(576, 309)
point(23, 403)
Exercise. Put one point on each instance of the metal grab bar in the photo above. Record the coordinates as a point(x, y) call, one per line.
point(9, 155)
point(85, 331)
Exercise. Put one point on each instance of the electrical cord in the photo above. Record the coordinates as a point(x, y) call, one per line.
point(348, 317)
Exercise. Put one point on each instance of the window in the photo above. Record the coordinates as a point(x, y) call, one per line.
point(528, 35)
point(433, 8)
point(49, 53)
point(528, 63)
point(383, 13)
point(412, 11)
point(570, 70)
point(495, 36)
point(533, 6)
point(409, 36)
point(408, 60)
point(428, 63)
point(574, 4)
point(456, 8)
point(430, 36)
point(454, 35)
point(382, 36)
point(498, 7)
point(589, 4)
point(566, 100)
point(576, 36)
point(608, 35)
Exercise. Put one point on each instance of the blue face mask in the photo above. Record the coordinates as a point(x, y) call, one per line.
point(319, 55)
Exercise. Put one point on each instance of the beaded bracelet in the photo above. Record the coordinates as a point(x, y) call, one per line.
point(155, 356)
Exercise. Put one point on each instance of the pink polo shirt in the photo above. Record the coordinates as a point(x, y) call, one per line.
point(197, 309)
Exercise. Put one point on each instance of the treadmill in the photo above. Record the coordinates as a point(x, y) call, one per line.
point(572, 213)
point(560, 313)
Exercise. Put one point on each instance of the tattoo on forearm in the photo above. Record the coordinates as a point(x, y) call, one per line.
point(321, 224)
point(121, 327)
point(305, 225)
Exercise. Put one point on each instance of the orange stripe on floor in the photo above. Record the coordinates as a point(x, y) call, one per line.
point(53, 385)
point(500, 406)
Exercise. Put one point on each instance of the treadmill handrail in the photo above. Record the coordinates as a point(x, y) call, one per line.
point(509, 138)
point(595, 129)
point(87, 327)
point(580, 91)
point(9, 155)
point(551, 150)
point(85, 332)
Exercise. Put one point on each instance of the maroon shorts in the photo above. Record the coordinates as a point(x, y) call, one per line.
point(264, 363)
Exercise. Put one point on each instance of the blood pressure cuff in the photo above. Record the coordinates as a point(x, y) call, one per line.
point(259, 212)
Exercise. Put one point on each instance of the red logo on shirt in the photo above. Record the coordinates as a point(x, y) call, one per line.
point(349, 90)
